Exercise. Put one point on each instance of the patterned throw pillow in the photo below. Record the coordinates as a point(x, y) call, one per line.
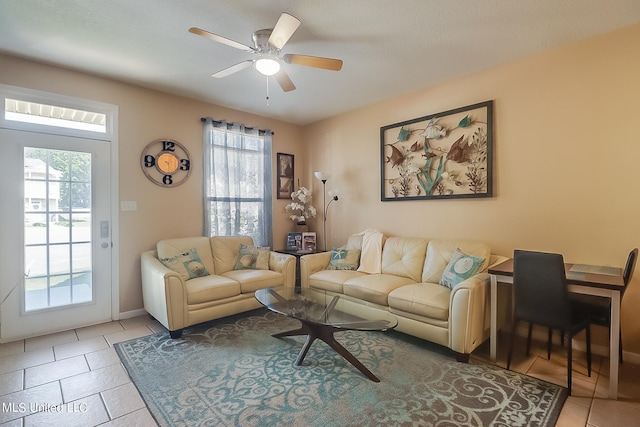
point(344, 259)
point(188, 265)
point(252, 258)
point(460, 267)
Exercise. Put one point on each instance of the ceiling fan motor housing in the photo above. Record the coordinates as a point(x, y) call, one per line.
point(261, 42)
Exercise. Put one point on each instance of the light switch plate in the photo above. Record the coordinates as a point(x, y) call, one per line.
point(128, 205)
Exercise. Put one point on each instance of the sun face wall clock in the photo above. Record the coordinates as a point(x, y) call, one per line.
point(166, 162)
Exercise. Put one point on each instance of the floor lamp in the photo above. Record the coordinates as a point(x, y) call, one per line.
point(333, 194)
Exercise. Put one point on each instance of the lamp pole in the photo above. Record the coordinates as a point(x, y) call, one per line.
point(322, 176)
point(324, 215)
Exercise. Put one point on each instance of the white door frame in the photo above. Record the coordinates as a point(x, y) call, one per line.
point(111, 135)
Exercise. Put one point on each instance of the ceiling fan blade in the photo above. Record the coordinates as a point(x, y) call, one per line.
point(284, 81)
point(313, 61)
point(284, 29)
point(233, 69)
point(221, 39)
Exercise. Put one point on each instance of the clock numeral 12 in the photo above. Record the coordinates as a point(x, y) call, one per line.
point(168, 146)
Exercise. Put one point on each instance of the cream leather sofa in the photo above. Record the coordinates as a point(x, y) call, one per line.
point(408, 287)
point(177, 303)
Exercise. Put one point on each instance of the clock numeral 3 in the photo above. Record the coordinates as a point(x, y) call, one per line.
point(149, 161)
point(185, 164)
point(167, 179)
point(168, 146)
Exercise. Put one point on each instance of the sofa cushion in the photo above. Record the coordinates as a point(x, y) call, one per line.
point(354, 241)
point(252, 280)
point(170, 248)
point(188, 265)
point(374, 287)
point(252, 258)
point(404, 256)
point(211, 288)
point(344, 259)
point(460, 267)
point(439, 254)
point(424, 299)
point(332, 280)
point(225, 251)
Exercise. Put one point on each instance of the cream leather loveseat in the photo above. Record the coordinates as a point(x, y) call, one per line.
point(186, 295)
point(408, 286)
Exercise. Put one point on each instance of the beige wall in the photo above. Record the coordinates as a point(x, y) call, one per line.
point(566, 175)
point(145, 115)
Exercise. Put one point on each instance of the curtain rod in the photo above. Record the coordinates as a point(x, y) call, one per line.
point(261, 131)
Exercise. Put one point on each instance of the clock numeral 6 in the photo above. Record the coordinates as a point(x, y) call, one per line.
point(149, 161)
point(168, 146)
point(167, 180)
point(185, 164)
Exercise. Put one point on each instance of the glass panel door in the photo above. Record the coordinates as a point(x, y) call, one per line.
point(57, 228)
point(55, 250)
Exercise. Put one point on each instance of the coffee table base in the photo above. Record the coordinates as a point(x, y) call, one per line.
point(325, 333)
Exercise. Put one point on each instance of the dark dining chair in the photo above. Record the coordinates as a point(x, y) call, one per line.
point(541, 297)
point(598, 309)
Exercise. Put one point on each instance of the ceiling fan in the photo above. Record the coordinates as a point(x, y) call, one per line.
point(267, 46)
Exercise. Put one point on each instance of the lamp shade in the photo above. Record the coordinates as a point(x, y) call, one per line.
point(322, 176)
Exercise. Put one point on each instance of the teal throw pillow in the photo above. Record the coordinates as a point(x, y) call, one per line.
point(252, 258)
point(460, 268)
point(344, 259)
point(188, 264)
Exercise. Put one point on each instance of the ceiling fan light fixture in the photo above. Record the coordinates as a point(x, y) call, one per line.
point(267, 66)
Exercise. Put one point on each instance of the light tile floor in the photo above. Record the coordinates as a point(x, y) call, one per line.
point(75, 378)
point(588, 404)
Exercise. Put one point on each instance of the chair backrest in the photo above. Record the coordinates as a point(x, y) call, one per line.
point(631, 265)
point(540, 289)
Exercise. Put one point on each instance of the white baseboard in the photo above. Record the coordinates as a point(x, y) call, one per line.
point(600, 350)
point(132, 313)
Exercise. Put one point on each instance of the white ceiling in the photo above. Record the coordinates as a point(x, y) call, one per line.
point(388, 47)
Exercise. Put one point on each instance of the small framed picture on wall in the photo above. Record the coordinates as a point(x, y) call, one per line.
point(285, 175)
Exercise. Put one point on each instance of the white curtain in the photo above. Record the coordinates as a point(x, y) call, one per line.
point(237, 181)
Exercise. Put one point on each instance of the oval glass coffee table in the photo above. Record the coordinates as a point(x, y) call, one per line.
point(322, 315)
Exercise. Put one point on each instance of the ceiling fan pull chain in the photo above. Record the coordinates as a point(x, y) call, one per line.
point(267, 91)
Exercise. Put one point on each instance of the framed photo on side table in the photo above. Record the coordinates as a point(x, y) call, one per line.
point(285, 175)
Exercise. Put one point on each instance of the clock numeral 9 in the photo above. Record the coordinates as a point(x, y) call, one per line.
point(149, 161)
point(185, 164)
point(168, 146)
point(167, 180)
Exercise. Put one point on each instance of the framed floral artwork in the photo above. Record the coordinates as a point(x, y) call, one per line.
point(440, 156)
point(285, 175)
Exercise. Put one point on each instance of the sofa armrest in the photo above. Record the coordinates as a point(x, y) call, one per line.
point(285, 264)
point(467, 313)
point(163, 292)
point(312, 263)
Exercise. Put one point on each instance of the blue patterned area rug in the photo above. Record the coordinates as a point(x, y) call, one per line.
point(231, 372)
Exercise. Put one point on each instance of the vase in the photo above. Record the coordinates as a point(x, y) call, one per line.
point(301, 228)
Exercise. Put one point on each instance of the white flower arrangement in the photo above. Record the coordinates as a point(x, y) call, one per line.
point(301, 207)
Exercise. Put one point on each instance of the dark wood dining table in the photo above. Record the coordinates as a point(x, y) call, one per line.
point(583, 279)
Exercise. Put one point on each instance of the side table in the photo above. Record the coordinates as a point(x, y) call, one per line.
point(297, 254)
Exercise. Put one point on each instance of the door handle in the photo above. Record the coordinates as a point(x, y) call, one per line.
point(104, 229)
